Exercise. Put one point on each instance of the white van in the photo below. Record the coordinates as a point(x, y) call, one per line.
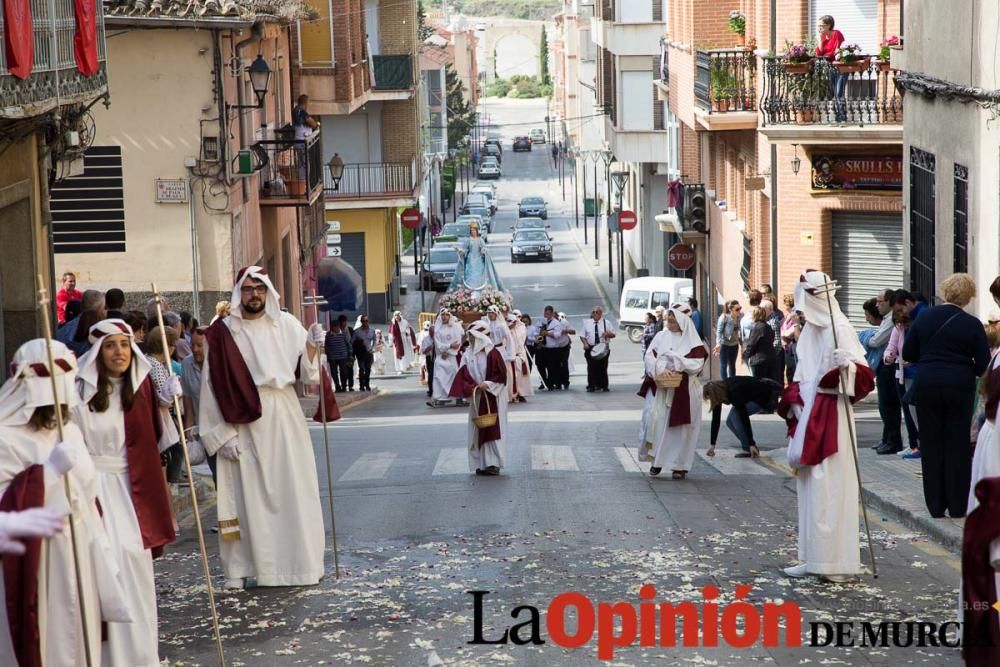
point(643, 295)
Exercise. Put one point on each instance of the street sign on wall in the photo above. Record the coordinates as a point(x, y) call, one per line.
point(171, 191)
point(681, 257)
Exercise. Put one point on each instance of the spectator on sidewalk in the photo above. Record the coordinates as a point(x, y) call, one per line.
point(791, 327)
point(114, 301)
point(906, 307)
point(183, 347)
point(652, 327)
point(873, 355)
point(92, 301)
point(363, 344)
point(950, 347)
point(775, 319)
point(191, 384)
point(754, 297)
point(68, 292)
point(758, 350)
point(727, 338)
point(338, 355)
point(696, 317)
point(889, 406)
point(72, 311)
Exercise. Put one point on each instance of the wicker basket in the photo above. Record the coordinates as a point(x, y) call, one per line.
point(483, 421)
point(668, 380)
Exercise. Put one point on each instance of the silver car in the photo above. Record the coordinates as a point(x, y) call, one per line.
point(489, 169)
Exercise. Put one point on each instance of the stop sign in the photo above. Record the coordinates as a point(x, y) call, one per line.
point(627, 220)
point(410, 218)
point(681, 256)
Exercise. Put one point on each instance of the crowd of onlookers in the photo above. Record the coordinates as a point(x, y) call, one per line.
point(931, 366)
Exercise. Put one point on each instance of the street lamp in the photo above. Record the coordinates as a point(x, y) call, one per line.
point(796, 162)
point(336, 170)
point(621, 180)
point(260, 78)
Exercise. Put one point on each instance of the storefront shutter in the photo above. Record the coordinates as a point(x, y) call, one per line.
point(856, 19)
point(867, 258)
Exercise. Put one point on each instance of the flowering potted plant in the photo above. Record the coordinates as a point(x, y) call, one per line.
point(849, 59)
point(884, 52)
point(798, 58)
point(738, 24)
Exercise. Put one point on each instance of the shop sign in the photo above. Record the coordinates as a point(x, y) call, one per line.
point(865, 173)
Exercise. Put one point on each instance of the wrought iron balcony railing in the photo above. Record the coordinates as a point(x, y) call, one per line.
point(392, 72)
point(726, 80)
point(292, 172)
point(371, 180)
point(54, 79)
point(820, 92)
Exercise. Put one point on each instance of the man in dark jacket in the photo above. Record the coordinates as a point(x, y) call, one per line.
point(748, 396)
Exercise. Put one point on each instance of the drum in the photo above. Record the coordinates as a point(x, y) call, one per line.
point(599, 351)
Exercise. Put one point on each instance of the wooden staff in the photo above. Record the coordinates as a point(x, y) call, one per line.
point(827, 288)
point(314, 302)
point(194, 494)
point(43, 302)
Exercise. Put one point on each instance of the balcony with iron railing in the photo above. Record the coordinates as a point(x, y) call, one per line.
point(54, 78)
point(372, 180)
point(725, 89)
point(292, 171)
point(860, 97)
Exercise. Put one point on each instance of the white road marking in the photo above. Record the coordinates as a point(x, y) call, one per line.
point(553, 457)
point(369, 466)
point(629, 458)
point(725, 461)
point(452, 416)
point(452, 461)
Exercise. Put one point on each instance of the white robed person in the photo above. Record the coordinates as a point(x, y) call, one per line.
point(39, 580)
point(118, 412)
point(404, 342)
point(675, 423)
point(270, 519)
point(519, 380)
point(819, 447)
point(447, 347)
point(502, 340)
point(482, 377)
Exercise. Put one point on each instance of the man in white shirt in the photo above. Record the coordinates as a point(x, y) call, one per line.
point(596, 330)
point(555, 340)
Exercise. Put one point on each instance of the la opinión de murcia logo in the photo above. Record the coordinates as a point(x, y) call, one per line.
point(703, 623)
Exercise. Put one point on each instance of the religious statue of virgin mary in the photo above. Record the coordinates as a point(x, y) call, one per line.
point(474, 270)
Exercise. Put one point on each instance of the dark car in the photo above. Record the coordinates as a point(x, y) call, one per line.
point(483, 223)
point(532, 207)
point(529, 223)
point(452, 234)
point(483, 213)
point(522, 144)
point(493, 141)
point(493, 150)
point(531, 244)
point(439, 267)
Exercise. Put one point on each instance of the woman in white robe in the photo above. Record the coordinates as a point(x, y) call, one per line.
point(483, 371)
point(28, 437)
point(447, 343)
point(425, 342)
point(115, 365)
point(519, 381)
point(676, 420)
point(378, 353)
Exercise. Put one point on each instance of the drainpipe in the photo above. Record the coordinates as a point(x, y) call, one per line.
point(774, 165)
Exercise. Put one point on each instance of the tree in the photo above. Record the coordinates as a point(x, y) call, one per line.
point(544, 58)
point(423, 30)
point(461, 115)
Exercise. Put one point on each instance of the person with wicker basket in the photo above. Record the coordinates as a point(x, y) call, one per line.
point(482, 377)
point(674, 359)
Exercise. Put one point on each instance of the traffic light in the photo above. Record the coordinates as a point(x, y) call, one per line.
point(695, 213)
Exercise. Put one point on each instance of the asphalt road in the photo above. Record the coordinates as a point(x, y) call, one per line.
point(573, 511)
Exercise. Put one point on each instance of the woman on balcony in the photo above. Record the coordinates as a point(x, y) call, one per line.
point(829, 41)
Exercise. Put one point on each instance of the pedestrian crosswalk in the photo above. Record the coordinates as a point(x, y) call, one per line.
point(541, 459)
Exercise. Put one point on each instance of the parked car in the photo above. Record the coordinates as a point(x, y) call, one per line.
point(493, 150)
point(522, 143)
point(493, 141)
point(529, 223)
point(530, 244)
point(532, 207)
point(489, 169)
point(484, 214)
point(491, 196)
point(485, 185)
point(643, 295)
point(439, 267)
point(484, 223)
point(452, 234)
point(537, 136)
point(476, 199)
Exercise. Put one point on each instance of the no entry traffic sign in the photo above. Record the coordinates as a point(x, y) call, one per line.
point(627, 220)
point(410, 218)
point(681, 256)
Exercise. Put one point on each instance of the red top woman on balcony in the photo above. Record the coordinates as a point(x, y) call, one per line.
point(829, 39)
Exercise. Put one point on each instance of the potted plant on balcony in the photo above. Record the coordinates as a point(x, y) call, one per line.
point(850, 61)
point(884, 52)
point(805, 91)
point(720, 84)
point(738, 24)
point(798, 58)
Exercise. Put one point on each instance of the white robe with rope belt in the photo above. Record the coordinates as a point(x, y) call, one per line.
point(445, 359)
point(270, 517)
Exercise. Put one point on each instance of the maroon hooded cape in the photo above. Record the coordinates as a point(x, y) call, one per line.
point(463, 384)
point(20, 573)
point(980, 622)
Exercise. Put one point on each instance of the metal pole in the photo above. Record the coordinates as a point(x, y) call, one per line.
point(583, 170)
point(597, 242)
point(562, 179)
point(195, 260)
point(420, 273)
point(607, 180)
point(576, 198)
point(621, 248)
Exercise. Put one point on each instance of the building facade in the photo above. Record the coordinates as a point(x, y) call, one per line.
point(47, 106)
point(950, 144)
point(363, 81)
point(204, 185)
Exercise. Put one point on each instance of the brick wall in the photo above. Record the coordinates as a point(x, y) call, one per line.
point(397, 27)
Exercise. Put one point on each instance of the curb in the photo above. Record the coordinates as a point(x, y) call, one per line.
point(950, 539)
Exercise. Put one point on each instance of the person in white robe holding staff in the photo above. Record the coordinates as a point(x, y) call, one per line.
point(821, 426)
point(270, 519)
point(119, 414)
point(40, 580)
point(447, 343)
point(674, 359)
